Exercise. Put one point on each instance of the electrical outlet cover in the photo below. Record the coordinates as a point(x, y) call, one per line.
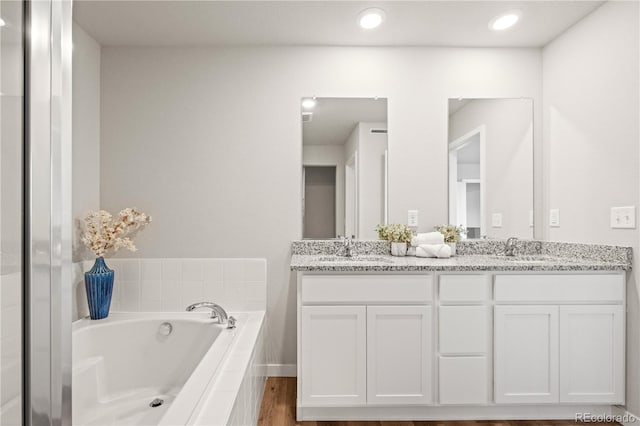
point(496, 220)
point(412, 218)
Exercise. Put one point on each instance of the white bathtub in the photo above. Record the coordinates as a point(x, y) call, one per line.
point(124, 362)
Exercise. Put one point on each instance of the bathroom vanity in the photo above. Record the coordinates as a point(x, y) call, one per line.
point(480, 336)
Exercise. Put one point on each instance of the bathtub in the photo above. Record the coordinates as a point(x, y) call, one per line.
point(123, 364)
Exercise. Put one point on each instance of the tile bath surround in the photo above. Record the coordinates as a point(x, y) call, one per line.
point(170, 285)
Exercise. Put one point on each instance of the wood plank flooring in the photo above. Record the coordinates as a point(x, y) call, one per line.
point(279, 409)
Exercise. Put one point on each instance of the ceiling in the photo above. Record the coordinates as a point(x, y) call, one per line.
point(326, 23)
point(456, 105)
point(334, 119)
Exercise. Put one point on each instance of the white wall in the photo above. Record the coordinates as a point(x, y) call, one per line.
point(508, 160)
point(86, 131)
point(591, 141)
point(200, 137)
point(86, 153)
point(329, 155)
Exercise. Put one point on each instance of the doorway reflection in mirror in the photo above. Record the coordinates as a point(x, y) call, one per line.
point(490, 149)
point(344, 176)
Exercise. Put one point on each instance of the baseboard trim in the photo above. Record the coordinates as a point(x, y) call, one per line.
point(453, 413)
point(624, 417)
point(280, 370)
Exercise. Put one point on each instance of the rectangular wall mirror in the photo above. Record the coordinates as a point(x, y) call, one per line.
point(491, 167)
point(344, 177)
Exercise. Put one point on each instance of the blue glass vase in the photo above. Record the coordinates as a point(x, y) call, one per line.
point(98, 282)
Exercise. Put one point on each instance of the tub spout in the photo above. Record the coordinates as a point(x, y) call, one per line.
point(216, 310)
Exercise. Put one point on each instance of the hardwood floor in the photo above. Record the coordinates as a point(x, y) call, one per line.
point(279, 409)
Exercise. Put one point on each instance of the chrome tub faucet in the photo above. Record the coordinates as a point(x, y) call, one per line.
point(216, 312)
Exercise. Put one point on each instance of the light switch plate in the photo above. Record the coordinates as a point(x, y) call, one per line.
point(412, 218)
point(554, 217)
point(496, 220)
point(623, 217)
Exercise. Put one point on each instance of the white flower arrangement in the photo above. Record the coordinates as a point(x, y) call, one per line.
point(395, 232)
point(451, 233)
point(103, 234)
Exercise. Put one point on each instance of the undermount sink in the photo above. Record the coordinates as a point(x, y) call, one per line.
point(362, 258)
point(532, 258)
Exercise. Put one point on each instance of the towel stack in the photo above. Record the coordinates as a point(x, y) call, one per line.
point(427, 238)
point(431, 244)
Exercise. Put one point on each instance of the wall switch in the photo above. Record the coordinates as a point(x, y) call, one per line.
point(530, 218)
point(623, 217)
point(412, 218)
point(554, 217)
point(496, 220)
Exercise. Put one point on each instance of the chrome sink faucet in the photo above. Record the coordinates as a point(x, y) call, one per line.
point(216, 312)
point(510, 246)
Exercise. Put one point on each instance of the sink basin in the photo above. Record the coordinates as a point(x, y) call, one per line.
point(527, 258)
point(362, 258)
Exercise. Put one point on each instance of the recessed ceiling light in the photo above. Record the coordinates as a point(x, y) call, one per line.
point(308, 103)
point(504, 21)
point(371, 18)
point(2, 23)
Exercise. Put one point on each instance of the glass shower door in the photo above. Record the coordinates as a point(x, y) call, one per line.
point(11, 211)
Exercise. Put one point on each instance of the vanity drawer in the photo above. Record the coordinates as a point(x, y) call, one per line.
point(559, 288)
point(367, 289)
point(463, 380)
point(463, 329)
point(464, 288)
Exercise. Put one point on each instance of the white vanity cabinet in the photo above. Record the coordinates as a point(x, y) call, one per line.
point(459, 344)
point(365, 340)
point(559, 338)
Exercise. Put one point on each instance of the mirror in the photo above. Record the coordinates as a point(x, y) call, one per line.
point(491, 167)
point(344, 177)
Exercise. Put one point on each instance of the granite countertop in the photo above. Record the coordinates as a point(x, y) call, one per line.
point(472, 255)
point(464, 263)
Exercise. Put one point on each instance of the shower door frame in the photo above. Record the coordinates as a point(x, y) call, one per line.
point(47, 274)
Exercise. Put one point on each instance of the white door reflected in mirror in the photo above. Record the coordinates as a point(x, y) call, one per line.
point(490, 148)
point(344, 149)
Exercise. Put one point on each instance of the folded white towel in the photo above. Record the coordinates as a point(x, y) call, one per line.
point(427, 238)
point(441, 251)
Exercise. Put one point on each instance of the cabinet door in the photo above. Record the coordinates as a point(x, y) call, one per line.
point(333, 351)
point(399, 360)
point(592, 354)
point(463, 330)
point(526, 354)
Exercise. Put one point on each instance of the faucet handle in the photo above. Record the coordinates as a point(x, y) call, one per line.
point(231, 322)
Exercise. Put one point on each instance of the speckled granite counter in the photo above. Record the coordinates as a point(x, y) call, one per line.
point(319, 256)
point(320, 263)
